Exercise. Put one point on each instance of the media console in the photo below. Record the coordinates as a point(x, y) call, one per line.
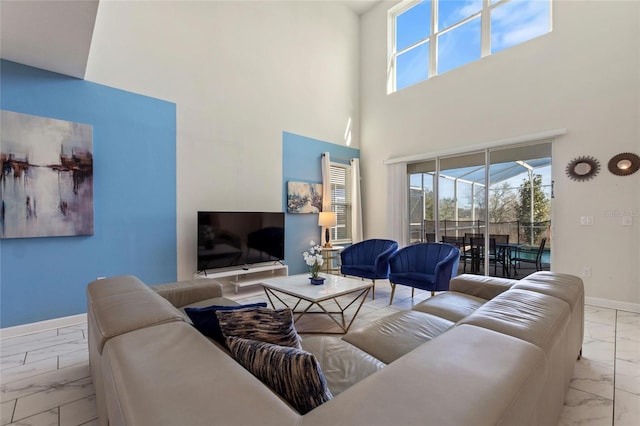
point(243, 277)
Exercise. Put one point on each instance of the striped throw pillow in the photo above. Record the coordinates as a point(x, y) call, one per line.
point(292, 373)
point(266, 325)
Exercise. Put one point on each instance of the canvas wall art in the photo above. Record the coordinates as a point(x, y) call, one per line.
point(304, 197)
point(47, 177)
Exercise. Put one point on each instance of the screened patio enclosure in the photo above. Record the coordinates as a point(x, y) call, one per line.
point(450, 197)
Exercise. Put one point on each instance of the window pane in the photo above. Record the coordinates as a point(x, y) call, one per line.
point(518, 21)
point(459, 46)
point(341, 202)
point(412, 66)
point(413, 25)
point(461, 194)
point(452, 11)
point(421, 208)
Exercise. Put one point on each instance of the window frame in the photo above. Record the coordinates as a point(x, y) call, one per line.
point(346, 221)
point(485, 36)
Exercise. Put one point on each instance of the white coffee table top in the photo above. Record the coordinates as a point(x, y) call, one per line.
point(299, 286)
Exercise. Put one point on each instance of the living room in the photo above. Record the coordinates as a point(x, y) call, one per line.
point(216, 87)
point(230, 120)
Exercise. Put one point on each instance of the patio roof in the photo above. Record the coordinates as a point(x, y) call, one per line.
point(499, 172)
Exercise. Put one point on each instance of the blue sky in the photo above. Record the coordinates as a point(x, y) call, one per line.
point(512, 22)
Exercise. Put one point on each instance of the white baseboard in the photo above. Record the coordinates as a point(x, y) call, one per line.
point(613, 304)
point(35, 327)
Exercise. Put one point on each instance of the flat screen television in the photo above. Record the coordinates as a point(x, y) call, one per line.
point(227, 239)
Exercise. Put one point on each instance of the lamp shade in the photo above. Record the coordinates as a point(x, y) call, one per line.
point(327, 219)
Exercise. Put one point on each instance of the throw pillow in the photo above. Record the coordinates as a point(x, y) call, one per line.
point(263, 324)
point(292, 373)
point(206, 321)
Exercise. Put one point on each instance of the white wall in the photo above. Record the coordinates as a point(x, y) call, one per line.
point(240, 74)
point(584, 76)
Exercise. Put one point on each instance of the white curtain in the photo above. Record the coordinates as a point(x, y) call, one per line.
point(397, 203)
point(326, 186)
point(356, 202)
point(326, 182)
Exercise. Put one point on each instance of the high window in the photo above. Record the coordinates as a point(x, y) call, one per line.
point(431, 37)
point(341, 201)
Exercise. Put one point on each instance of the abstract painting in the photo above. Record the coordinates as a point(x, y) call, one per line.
point(47, 177)
point(304, 197)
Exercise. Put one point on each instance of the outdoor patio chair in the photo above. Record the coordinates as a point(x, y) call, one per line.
point(528, 255)
point(463, 245)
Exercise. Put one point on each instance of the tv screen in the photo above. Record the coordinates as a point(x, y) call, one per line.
point(239, 238)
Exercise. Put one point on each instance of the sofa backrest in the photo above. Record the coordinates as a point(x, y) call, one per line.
point(121, 304)
point(484, 287)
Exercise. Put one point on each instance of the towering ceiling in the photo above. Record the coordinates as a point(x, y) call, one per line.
point(55, 35)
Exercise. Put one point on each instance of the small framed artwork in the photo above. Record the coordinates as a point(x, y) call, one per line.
point(304, 197)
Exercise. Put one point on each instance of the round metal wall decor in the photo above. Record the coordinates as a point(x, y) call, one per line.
point(624, 164)
point(583, 168)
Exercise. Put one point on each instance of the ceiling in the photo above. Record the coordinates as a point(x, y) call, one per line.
point(361, 6)
point(47, 34)
point(55, 35)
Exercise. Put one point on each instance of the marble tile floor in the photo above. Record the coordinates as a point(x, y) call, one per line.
point(45, 380)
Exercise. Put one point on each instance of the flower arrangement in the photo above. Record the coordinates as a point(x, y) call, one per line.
point(313, 259)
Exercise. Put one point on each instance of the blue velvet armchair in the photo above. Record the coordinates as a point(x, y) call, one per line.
point(425, 266)
point(368, 259)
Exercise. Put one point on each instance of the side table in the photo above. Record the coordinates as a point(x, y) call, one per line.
point(331, 255)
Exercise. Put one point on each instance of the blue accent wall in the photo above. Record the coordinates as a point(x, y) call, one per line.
point(301, 162)
point(134, 153)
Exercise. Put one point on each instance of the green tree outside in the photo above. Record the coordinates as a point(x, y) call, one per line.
point(541, 205)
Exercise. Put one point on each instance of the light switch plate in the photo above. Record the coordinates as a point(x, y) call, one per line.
point(586, 220)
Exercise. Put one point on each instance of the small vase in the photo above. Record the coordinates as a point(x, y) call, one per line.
point(316, 281)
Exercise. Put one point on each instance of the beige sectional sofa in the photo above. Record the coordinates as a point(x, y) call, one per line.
point(490, 351)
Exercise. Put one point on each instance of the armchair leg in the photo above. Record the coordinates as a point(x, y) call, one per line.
point(373, 290)
point(413, 290)
point(433, 293)
point(393, 290)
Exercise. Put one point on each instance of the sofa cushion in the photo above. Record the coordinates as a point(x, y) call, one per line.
point(206, 321)
point(342, 363)
point(563, 286)
point(533, 317)
point(263, 324)
point(451, 305)
point(391, 337)
point(292, 373)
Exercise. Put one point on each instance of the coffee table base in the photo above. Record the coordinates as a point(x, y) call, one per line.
point(344, 326)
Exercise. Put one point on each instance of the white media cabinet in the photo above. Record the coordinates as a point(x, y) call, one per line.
point(243, 277)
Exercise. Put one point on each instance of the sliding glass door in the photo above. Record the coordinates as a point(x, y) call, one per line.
point(494, 204)
point(422, 206)
point(461, 195)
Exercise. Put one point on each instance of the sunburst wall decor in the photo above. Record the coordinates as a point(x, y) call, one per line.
point(583, 168)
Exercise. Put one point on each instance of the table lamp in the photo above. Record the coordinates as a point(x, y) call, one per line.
point(327, 220)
